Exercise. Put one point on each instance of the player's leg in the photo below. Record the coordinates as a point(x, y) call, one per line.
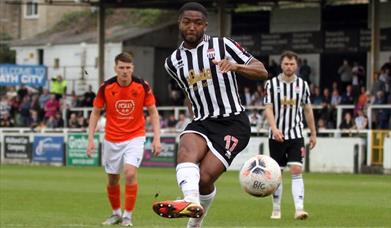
point(133, 154)
point(296, 153)
point(211, 169)
point(277, 152)
point(112, 161)
point(192, 148)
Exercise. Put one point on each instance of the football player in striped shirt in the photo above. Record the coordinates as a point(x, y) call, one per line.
point(205, 68)
point(286, 94)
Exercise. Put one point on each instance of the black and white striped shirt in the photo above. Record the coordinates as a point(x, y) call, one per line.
point(287, 100)
point(212, 93)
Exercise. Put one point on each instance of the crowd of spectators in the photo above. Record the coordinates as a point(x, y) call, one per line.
point(39, 108)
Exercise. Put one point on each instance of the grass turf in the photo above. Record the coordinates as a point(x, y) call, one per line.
point(44, 196)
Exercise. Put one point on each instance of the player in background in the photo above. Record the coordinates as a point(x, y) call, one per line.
point(123, 97)
point(285, 96)
point(205, 68)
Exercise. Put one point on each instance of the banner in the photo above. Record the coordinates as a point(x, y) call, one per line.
point(17, 147)
point(76, 150)
point(31, 75)
point(48, 149)
point(167, 157)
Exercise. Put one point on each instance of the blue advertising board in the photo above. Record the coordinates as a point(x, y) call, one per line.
point(48, 149)
point(31, 75)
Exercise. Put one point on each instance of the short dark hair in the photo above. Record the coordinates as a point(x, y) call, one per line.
point(195, 6)
point(124, 57)
point(289, 55)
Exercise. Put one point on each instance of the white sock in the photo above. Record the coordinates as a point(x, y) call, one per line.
point(127, 214)
point(276, 198)
point(188, 178)
point(298, 191)
point(117, 212)
point(206, 201)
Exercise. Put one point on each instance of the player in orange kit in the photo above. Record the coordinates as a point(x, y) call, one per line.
point(123, 97)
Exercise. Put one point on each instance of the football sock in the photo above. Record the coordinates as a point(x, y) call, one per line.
point(277, 195)
point(127, 214)
point(206, 201)
point(130, 197)
point(114, 195)
point(298, 191)
point(188, 177)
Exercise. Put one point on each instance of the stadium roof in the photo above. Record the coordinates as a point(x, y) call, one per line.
point(174, 4)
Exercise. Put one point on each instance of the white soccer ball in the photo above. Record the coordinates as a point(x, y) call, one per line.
point(260, 176)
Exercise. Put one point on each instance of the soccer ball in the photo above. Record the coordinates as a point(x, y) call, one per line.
point(260, 176)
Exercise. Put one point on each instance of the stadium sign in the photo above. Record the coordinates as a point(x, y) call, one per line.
point(48, 149)
point(17, 147)
point(167, 157)
point(76, 150)
point(31, 75)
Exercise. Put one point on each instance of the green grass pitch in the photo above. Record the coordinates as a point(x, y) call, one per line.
point(43, 196)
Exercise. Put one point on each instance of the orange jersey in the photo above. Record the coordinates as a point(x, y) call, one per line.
point(124, 108)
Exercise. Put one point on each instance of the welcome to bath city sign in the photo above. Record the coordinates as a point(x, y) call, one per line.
point(31, 75)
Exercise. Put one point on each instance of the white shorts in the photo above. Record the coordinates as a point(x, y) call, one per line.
point(115, 155)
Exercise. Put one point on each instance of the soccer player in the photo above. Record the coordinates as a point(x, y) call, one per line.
point(285, 96)
point(123, 97)
point(205, 68)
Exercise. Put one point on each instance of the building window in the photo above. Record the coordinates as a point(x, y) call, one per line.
point(31, 9)
point(56, 64)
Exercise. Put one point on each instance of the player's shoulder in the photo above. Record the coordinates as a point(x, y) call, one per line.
point(142, 82)
point(109, 81)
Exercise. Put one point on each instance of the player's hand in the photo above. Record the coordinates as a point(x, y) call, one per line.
point(90, 148)
point(278, 136)
point(156, 147)
point(224, 65)
point(312, 141)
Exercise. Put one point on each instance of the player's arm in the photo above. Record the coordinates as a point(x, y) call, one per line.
point(94, 117)
point(188, 105)
point(154, 115)
point(272, 123)
point(309, 116)
point(254, 70)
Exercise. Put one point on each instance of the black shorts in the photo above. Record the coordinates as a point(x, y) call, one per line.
point(288, 152)
point(226, 137)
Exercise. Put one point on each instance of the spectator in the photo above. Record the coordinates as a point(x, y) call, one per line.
point(73, 122)
point(305, 71)
point(183, 121)
point(274, 69)
point(347, 97)
point(335, 98)
point(257, 96)
point(34, 118)
point(35, 106)
point(88, 97)
point(58, 87)
point(345, 72)
point(358, 74)
point(378, 85)
point(59, 120)
point(45, 96)
point(81, 121)
point(171, 123)
point(6, 120)
point(316, 98)
point(255, 119)
point(51, 106)
point(247, 96)
point(5, 107)
point(326, 98)
point(24, 110)
point(347, 122)
point(22, 92)
point(361, 121)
